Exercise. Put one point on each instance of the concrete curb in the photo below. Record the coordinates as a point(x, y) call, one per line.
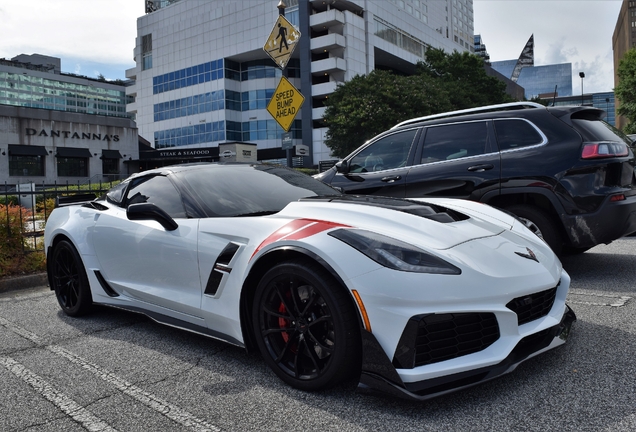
point(23, 282)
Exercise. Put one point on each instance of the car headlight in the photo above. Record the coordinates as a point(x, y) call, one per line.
point(394, 254)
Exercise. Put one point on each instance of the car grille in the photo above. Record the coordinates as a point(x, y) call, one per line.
point(534, 306)
point(438, 337)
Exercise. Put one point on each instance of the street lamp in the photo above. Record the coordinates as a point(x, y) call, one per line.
point(582, 75)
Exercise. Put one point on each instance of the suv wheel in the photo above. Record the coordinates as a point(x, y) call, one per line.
point(539, 223)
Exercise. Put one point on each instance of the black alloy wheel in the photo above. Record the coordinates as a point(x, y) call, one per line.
point(306, 327)
point(69, 280)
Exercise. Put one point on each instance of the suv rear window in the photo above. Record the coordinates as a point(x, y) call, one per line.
point(598, 130)
point(516, 133)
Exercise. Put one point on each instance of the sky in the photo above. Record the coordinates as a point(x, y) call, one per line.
point(565, 31)
point(94, 37)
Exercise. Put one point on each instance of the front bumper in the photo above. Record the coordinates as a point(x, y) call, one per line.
point(379, 374)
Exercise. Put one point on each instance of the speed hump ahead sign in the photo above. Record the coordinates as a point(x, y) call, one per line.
point(281, 41)
point(285, 103)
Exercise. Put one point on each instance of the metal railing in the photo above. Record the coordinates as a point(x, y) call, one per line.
point(24, 210)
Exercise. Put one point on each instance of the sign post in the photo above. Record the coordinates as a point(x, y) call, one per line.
point(287, 100)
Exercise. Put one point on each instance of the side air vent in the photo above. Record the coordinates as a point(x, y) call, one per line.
point(220, 267)
point(107, 288)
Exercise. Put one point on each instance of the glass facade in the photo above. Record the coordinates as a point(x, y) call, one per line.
point(538, 80)
point(197, 104)
point(190, 135)
point(208, 133)
point(398, 38)
point(21, 89)
point(606, 102)
point(186, 77)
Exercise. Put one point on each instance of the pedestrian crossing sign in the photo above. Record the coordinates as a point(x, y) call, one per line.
point(282, 41)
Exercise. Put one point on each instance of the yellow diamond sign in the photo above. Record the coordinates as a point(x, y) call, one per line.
point(285, 103)
point(281, 41)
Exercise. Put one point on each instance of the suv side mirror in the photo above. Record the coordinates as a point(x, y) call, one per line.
point(149, 211)
point(342, 167)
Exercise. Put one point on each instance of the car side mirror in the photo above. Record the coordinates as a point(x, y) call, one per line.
point(149, 211)
point(342, 167)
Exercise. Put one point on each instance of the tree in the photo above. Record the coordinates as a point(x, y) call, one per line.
point(626, 89)
point(367, 105)
point(464, 78)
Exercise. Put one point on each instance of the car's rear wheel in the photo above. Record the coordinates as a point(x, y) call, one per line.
point(305, 326)
point(539, 223)
point(69, 280)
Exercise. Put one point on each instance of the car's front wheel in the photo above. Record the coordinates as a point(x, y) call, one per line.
point(305, 326)
point(69, 280)
point(539, 223)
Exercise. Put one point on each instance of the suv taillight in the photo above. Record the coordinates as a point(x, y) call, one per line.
point(603, 150)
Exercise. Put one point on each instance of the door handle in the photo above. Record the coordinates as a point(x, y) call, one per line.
point(390, 179)
point(481, 168)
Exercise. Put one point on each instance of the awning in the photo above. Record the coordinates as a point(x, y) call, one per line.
point(111, 154)
point(72, 152)
point(27, 150)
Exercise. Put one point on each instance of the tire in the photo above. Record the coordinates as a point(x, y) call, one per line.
point(305, 326)
point(69, 280)
point(539, 223)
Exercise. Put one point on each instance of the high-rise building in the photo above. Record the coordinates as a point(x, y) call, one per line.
point(36, 81)
point(623, 39)
point(58, 127)
point(536, 80)
point(202, 77)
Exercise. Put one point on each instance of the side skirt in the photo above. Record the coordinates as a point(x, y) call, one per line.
point(182, 325)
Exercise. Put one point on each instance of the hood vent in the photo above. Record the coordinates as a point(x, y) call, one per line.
point(416, 208)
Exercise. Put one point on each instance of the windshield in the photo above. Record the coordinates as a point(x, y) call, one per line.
point(249, 190)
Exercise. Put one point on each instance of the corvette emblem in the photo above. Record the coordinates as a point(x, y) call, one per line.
point(530, 255)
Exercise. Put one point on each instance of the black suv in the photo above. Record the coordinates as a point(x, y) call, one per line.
point(567, 174)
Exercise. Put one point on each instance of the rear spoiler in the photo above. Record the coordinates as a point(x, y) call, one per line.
point(62, 201)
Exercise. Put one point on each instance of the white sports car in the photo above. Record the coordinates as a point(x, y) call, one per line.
point(416, 297)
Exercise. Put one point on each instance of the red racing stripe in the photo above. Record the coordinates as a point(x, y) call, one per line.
point(298, 229)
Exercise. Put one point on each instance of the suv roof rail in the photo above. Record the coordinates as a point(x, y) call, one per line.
point(488, 108)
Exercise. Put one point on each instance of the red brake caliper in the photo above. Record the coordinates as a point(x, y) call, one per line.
point(282, 322)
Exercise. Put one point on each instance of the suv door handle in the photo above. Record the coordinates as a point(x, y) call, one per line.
point(390, 179)
point(481, 168)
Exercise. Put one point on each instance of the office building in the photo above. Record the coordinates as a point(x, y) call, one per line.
point(202, 77)
point(57, 127)
point(623, 39)
point(536, 80)
point(603, 100)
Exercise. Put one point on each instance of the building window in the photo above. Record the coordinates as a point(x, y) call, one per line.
point(72, 167)
point(146, 52)
point(21, 166)
point(110, 166)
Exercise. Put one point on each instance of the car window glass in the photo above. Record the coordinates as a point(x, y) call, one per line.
point(116, 193)
point(250, 190)
point(389, 152)
point(157, 190)
point(515, 133)
point(598, 130)
point(454, 141)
